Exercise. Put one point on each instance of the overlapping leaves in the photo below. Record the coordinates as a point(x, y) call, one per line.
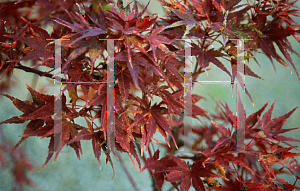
point(146, 59)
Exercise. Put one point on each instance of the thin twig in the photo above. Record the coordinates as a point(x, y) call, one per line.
point(154, 186)
point(133, 183)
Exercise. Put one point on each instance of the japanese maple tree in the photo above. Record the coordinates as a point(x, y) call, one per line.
point(149, 61)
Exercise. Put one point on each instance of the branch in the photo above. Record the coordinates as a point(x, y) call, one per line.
point(35, 71)
point(47, 74)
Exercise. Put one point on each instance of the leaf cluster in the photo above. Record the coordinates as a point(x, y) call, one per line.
point(149, 62)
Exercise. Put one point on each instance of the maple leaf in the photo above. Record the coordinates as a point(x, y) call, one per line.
point(248, 71)
point(245, 185)
point(123, 77)
point(171, 63)
point(25, 106)
point(182, 172)
point(225, 31)
point(159, 167)
point(39, 111)
point(204, 57)
point(272, 128)
point(36, 111)
point(40, 131)
point(90, 32)
point(132, 23)
point(257, 186)
point(31, 127)
point(75, 53)
point(268, 48)
point(226, 139)
point(75, 26)
point(139, 60)
point(146, 57)
point(230, 116)
point(149, 118)
point(252, 119)
point(38, 44)
point(220, 6)
point(77, 73)
point(282, 153)
point(222, 158)
point(185, 15)
point(136, 59)
point(143, 23)
point(67, 132)
point(204, 8)
point(148, 124)
point(123, 138)
point(45, 106)
point(22, 165)
point(282, 184)
point(158, 41)
point(101, 98)
point(173, 102)
point(95, 51)
point(132, 66)
point(278, 34)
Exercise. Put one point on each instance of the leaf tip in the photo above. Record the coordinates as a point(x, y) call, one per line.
point(42, 168)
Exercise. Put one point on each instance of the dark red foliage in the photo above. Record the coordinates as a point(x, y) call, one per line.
point(17, 162)
point(149, 59)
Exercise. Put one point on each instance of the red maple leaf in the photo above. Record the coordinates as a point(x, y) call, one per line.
point(189, 176)
point(159, 166)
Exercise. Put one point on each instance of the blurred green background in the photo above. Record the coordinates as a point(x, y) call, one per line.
point(69, 173)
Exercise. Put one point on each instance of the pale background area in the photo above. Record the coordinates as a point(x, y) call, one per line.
point(69, 173)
